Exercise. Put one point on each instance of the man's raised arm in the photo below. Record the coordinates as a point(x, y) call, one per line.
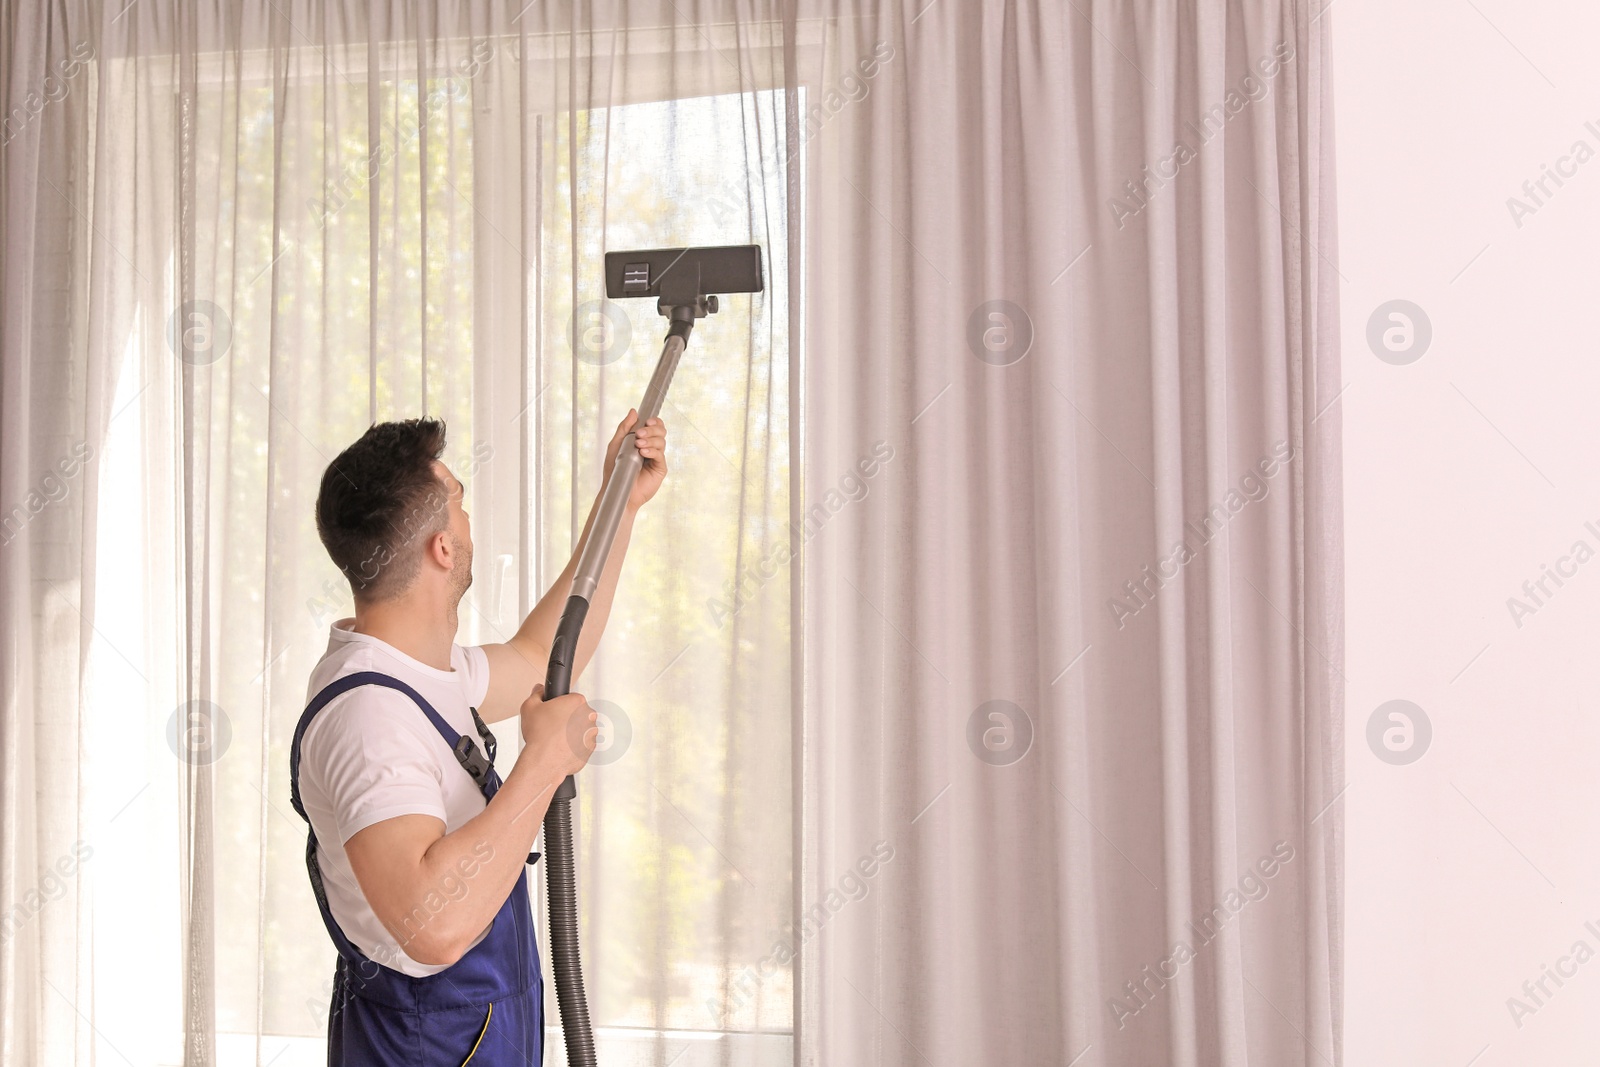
point(518, 664)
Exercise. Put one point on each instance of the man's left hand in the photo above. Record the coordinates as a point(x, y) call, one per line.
point(651, 439)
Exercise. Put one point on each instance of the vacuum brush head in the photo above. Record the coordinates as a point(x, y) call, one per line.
point(682, 276)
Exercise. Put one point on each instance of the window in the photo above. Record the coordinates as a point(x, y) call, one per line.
point(456, 282)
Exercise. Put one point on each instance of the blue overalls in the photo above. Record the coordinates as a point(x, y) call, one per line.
point(487, 1008)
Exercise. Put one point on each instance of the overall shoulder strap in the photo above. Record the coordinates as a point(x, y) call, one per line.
point(337, 688)
point(332, 690)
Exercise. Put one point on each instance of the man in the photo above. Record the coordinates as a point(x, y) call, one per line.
point(417, 846)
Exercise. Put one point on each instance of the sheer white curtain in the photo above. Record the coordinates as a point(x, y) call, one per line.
point(950, 791)
point(274, 223)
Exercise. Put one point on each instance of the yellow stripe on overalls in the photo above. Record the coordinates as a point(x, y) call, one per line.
point(478, 1042)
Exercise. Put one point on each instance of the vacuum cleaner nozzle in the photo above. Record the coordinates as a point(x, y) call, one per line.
point(681, 276)
point(685, 283)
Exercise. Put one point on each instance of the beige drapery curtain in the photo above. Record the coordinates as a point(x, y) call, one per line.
point(1085, 346)
point(989, 386)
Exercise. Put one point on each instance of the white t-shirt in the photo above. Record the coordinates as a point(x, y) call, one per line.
point(372, 755)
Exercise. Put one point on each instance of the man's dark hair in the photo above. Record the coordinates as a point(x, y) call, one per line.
point(378, 498)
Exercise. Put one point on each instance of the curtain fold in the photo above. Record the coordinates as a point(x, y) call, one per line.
point(55, 396)
point(975, 685)
point(1072, 648)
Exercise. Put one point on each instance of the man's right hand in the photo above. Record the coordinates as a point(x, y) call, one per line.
point(561, 731)
point(401, 863)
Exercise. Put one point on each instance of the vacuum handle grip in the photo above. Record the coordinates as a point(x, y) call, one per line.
point(558, 675)
point(564, 649)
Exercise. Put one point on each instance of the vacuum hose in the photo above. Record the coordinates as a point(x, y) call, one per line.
point(560, 863)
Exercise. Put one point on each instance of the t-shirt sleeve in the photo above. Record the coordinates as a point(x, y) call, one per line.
point(473, 663)
point(370, 762)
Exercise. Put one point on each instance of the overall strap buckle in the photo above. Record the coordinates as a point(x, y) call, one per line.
point(471, 758)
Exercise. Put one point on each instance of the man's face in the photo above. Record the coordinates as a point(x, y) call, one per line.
point(459, 529)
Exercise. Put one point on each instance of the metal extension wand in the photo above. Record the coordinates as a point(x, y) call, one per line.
point(684, 282)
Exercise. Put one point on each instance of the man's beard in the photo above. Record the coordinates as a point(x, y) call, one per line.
point(461, 576)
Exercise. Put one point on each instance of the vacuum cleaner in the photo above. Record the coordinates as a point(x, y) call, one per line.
point(686, 283)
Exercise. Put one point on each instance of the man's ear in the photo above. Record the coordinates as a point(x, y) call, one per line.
point(437, 548)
